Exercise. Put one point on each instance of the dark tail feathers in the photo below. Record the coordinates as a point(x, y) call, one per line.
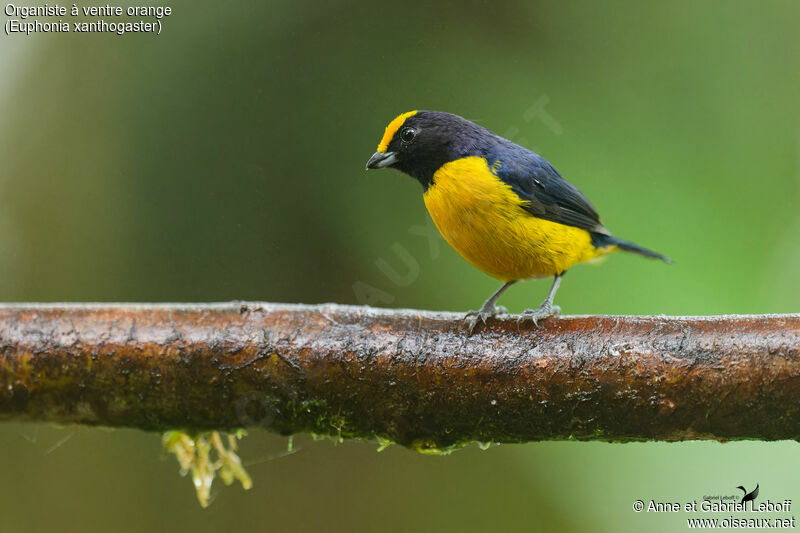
point(600, 240)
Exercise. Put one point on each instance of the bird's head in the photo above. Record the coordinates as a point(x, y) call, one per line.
point(420, 142)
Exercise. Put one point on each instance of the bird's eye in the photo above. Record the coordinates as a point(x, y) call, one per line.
point(408, 134)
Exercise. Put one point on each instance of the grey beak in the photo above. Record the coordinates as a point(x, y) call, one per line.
point(382, 159)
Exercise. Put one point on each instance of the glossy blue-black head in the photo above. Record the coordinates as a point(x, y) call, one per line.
point(420, 142)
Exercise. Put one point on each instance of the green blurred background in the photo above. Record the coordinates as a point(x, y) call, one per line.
point(224, 160)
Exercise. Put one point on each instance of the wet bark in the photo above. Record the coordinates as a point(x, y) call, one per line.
point(409, 377)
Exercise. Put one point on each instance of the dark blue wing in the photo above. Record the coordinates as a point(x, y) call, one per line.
point(548, 194)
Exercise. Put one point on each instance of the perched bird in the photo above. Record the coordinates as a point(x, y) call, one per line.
point(502, 207)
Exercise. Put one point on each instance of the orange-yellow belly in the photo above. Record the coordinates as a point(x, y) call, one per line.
point(483, 219)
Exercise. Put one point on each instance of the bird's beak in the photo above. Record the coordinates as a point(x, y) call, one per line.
point(382, 159)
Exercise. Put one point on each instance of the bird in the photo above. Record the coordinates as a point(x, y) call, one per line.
point(502, 207)
point(748, 497)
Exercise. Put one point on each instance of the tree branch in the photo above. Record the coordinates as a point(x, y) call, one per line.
point(414, 378)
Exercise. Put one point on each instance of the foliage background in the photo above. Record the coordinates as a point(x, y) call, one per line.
point(224, 160)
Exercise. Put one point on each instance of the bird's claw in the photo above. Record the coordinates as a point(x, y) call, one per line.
point(544, 311)
point(482, 315)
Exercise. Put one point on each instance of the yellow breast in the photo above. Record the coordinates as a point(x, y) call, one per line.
point(483, 219)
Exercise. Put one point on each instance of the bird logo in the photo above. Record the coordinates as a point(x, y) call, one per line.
point(748, 497)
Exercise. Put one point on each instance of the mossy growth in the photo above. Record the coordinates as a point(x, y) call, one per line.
point(430, 447)
point(194, 454)
point(210, 454)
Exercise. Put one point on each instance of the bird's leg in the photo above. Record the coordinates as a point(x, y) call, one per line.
point(547, 309)
point(488, 309)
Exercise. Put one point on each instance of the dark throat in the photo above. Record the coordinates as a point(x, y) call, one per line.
point(423, 170)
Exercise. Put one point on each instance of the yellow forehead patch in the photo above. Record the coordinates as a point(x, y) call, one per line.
point(392, 128)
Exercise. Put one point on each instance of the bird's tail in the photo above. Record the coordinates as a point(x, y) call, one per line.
point(600, 240)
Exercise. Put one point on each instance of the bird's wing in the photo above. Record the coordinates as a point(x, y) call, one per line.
point(754, 494)
point(546, 193)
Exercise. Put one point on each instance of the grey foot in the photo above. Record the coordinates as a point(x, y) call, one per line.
point(544, 311)
point(482, 315)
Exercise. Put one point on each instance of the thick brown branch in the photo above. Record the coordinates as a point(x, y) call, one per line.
point(410, 377)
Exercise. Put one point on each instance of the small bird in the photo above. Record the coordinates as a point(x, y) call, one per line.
point(504, 208)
